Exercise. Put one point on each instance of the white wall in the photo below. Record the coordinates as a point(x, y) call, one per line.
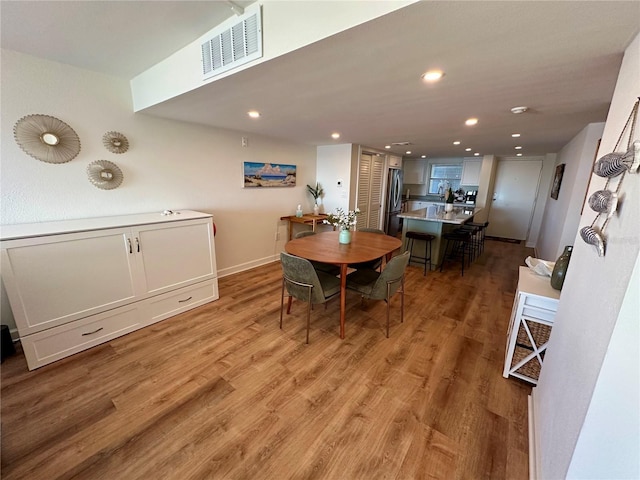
point(170, 165)
point(592, 299)
point(561, 216)
point(609, 442)
point(334, 163)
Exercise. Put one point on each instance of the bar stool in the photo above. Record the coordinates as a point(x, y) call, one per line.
point(483, 228)
point(460, 242)
point(474, 244)
point(427, 248)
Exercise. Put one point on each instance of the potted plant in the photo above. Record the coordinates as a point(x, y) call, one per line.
point(449, 201)
point(315, 193)
point(343, 221)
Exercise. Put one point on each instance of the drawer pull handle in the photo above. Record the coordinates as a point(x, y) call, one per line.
point(129, 242)
point(185, 300)
point(91, 333)
point(138, 244)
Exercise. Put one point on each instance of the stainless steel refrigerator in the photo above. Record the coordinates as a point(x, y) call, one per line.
point(393, 205)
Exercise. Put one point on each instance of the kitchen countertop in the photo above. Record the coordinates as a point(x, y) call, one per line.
point(436, 213)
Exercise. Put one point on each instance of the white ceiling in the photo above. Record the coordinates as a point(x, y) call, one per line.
point(560, 59)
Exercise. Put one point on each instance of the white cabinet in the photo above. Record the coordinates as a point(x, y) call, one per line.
point(395, 162)
point(77, 283)
point(532, 316)
point(414, 171)
point(471, 171)
point(417, 205)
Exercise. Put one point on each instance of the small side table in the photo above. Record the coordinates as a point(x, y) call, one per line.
point(307, 219)
point(532, 316)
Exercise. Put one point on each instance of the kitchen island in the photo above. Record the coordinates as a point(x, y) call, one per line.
point(437, 222)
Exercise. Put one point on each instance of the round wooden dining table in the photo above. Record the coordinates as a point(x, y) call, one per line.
point(324, 247)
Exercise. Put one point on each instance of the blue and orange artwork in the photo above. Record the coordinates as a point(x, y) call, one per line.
point(269, 175)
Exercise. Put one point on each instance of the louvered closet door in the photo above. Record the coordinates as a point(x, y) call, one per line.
point(364, 176)
point(375, 192)
point(370, 190)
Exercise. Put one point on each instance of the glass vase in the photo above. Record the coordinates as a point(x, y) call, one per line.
point(345, 236)
point(560, 268)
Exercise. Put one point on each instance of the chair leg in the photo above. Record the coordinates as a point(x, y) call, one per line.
point(308, 315)
point(388, 306)
point(289, 305)
point(402, 299)
point(282, 302)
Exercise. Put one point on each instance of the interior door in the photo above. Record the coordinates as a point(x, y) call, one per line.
point(370, 190)
point(514, 198)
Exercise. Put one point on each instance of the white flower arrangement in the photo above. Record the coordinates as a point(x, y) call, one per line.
point(341, 219)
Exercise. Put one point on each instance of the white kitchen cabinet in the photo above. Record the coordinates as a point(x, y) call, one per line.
point(395, 162)
point(532, 316)
point(471, 171)
point(417, 205)
point(76, 283)
point(414, 171)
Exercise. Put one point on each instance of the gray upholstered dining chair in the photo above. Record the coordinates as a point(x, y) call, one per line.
point(371, 264)
point(320, 266)
point(375, 285)
point(304, 282)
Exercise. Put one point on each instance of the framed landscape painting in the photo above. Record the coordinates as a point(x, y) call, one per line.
point(258, 174)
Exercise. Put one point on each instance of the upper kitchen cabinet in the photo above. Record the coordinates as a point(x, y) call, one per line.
point(395, 162)
point(414, 171)
point(471, 171)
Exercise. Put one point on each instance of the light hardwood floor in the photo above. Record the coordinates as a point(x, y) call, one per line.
point(221, 392)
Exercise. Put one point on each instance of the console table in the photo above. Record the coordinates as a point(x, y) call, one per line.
point(307, 219)
point(532, 316)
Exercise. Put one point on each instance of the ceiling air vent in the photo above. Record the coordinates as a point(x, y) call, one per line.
point(233, 46)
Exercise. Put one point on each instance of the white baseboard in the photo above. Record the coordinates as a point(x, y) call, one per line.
point(534, 447)
point(248, 265)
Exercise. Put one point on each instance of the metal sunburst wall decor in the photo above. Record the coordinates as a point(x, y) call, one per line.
point(115, 142)
point(46, 138)
point(612, 166)
point(104, 174)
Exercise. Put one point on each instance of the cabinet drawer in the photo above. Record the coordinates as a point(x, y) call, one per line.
point(169, 304)
point(541, 302)
point(45, 347)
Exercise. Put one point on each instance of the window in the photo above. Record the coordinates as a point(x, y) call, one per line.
point(444, 176)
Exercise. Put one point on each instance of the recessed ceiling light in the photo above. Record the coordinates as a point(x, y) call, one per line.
point(467, 149)
point(476, 154)
point(335, 135)
point(518, 154)
point(387, 146)
point(471, 121)
point(457, 142)
point(515, 135)
point(408, 152)
point(423, 156)
point(432, 75)
point(253, 114)
point(518, 110)
point(518, 147)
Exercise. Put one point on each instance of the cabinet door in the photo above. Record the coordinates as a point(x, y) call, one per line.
point(56, 279)
point(471, 172)
point(370, 190)
point(174, 255)
point(395, 162)
point(413, 171)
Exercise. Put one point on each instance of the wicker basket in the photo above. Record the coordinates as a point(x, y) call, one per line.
point(540, 334)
